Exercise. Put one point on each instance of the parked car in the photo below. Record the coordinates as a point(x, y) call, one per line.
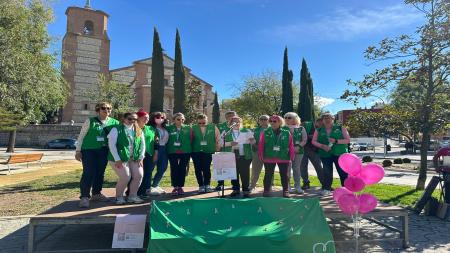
point(61, 143)
point(363, 146)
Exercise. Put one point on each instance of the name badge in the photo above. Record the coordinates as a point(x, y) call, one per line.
point(203, 143)
point(330, 144)
point(297, 143)
point(276, 148)
point(99, 138)
point(177, 144)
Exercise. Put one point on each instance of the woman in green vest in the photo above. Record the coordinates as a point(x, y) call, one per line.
point(240, 141)
point(299, 135)
point(126, 154)
point(276, 147)
point(204, 143)
point(257, 164)
point(151, 152)
point(92, 151)
point(332, 141)
point(179, 151)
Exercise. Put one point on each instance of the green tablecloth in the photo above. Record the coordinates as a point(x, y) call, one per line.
point(239, 225)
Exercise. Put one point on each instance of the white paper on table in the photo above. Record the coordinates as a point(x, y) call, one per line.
point(224, 166)
point(129, 231)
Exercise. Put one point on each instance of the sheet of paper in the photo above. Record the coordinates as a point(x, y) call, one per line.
point(129, 231)
point(224, 166)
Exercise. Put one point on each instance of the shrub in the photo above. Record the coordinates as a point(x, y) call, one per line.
point(406, 160)
point(387, 163)
point(403, 152)
point(367, 159)
point(398, 161)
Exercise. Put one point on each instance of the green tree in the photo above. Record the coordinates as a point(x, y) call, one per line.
point(422, 57)
point(9, 121)
point(30, 85)
point(287, 102)
point(193, 95)
point(179, 78)
point(120, 95)
point(157, 84)
point(216, 110)
point(306, 96)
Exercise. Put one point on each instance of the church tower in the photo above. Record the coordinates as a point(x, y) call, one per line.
point(85, 55)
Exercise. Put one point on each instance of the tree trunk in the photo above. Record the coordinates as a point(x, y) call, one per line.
point(11, 141)
point(423, 160)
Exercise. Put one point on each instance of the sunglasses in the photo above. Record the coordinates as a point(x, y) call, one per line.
point(131, 119)
point(105, 108)
point(159, 117)
point(288, 117)
point(202, 123)
point(273, 121)
point(179, 119)
point(263, 119)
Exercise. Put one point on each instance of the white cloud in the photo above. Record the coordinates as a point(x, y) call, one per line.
point(323, 101)
point(345, 24)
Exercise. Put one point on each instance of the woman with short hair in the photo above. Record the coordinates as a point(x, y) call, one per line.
point(276, 147)
point(92, 151)
point(126, 154)
point(179, 151)
point(298, 132)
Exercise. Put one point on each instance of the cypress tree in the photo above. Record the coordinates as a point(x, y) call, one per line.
point(287, 100)
point(179, 78)
point(306, 98)
point(157, 84)
point(216, 110)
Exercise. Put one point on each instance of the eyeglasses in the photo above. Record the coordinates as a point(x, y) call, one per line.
point(178, 119)
point(289, 117)
point(159, 117)
point(105, 108)
point(131, 119)
point(273, 121)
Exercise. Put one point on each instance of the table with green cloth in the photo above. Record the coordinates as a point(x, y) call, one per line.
point(239, 225)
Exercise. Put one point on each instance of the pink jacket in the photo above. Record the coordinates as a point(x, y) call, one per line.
point(275, 160)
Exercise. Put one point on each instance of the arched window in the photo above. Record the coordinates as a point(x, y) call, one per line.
point(88, 27)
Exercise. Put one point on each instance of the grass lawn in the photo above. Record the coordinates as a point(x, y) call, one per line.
point(39, 195)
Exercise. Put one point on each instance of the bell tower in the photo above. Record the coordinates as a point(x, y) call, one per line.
point(85, 55)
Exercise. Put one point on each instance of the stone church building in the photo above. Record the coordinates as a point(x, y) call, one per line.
point(86, 52)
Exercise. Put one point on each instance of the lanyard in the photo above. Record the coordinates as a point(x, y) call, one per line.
point(178, 134)
point(161, 133)
point(275, 138)
point(234, 136)
point(203, 134)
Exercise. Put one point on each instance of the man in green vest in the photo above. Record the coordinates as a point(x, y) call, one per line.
point(223, 128)
point(332, 141)
point(205, 142)
point(257, 164)
point(310, 154)
point(92, 151)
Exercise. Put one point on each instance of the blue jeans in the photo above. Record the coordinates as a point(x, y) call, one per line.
point(328, 171)
point(161, 166)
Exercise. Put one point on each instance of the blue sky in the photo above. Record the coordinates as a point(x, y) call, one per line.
point(224, 40)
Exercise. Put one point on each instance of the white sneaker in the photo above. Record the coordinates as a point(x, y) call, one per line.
point(299, 190)
point(134, 200)
point(201, 189)
point(154, 191)
point(120, 201)
point(208, 189)
point(292, 190)
point(325, 192)
point(84, 202)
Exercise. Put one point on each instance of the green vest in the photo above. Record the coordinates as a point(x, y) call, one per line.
point(123, 145)
point(181, 138)
point(223, 127)
point(281, 143)
point(247, 147)
point(308, 127)
point(96, 136)
point(297, 138)
point(150, 134)
point(257, 133)
point(204, 142)
point(336, 149)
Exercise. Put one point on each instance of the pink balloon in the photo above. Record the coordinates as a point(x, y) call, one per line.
point(372, 173)
point(367, 202)
point(337, 193)
point(354, 184)
point(348, 203)
point(350, 163)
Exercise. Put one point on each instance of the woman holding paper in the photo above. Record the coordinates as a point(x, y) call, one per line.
point(276, 147)
point(179, 150)
point(205, 142)
point(299, 137)
point(239, 141)
point(332, 141)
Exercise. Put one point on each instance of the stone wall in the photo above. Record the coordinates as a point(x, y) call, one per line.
point(39, 135)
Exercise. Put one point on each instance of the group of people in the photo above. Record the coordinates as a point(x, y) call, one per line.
point(141, 142)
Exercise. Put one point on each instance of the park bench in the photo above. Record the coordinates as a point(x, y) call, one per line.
point(23, 158)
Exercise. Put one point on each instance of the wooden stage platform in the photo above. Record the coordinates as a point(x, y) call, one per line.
point(68, 213)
